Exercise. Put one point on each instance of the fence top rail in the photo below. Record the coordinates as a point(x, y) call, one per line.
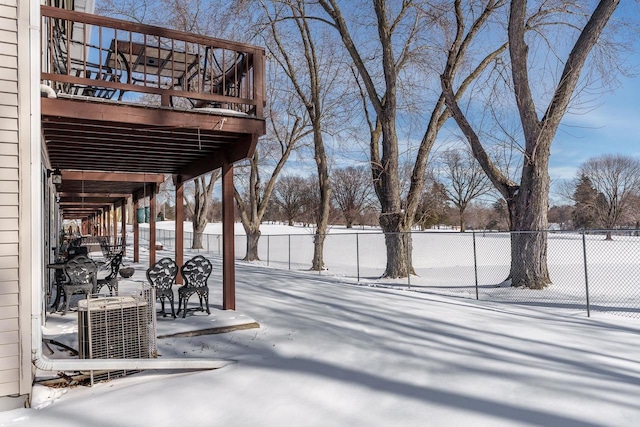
point(436, 232)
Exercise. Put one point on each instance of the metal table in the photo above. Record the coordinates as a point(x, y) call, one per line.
point(60, 278)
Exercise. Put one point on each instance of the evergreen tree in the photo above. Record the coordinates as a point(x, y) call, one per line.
point(585, 198)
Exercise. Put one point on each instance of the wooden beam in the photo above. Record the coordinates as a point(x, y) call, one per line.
point(115, 225)
point(78, 196)
point(242, 149)
point(179, 227)
point(154, 117)
point(152, 221)
point(108, 222)
point(123, 226)
point(147, 189)
point(200, 167)
point(228, 248)
point(259, 87)
point(96, 205)
point(136, 231)
point(73, 175)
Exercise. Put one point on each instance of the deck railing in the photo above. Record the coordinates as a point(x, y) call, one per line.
point(95, 56)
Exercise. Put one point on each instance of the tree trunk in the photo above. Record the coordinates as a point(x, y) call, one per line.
point(392, 219)
point(397, 241)
point(200, 209)
point(318, 249)
point(462, 222)
point(396, 256)
point(252, 246)
point(197, 240)
point(529, 238)
point(325, 197)
point(529, 259)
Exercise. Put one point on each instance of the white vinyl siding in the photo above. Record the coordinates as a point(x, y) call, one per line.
point(9, 202)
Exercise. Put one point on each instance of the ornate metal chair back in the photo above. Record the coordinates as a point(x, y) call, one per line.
point(81, 270)
point(162, 274)
point(196, 272)
point(115, 264)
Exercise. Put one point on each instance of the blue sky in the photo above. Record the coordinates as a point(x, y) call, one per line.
point(612, 127)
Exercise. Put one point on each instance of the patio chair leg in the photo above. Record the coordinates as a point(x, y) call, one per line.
point(173, 313)
point(162, 307)
point(184, 312)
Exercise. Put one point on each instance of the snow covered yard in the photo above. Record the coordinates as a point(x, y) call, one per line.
point(444, 263)
point(333, 354)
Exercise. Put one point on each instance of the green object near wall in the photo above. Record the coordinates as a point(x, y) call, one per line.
point(140, 215)
point(143, 214)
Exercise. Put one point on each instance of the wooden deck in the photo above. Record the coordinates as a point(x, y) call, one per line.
point(124, 104)
point(172, 102)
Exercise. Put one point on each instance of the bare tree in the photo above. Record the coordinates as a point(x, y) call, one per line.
point(464, 180)
point(528, 200)
point(352, 189)
point(199, 203)
point(485, 216)
point(403, 38)
point(287, 125)
point(307, 57)
point(433, 206)
point(290, 196)
point(616, 180)
point(207, 17)
point(562, 215)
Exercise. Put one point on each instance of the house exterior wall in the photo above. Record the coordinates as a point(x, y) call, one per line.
point(9, 202)
point(15, 203)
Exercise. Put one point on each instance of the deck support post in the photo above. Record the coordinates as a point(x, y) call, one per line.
point(228, 248)
point(179, 224)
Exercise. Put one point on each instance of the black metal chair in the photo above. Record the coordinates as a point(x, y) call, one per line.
point(81, 272)
point(195, 273)
point(107, 251)
point(111, 280)
point(162, 276)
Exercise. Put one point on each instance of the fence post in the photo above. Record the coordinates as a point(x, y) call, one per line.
point(586, 275)
point(315, 239)
point(408, 251)
point(289, 251)
point(475, 263)
point(358, 256)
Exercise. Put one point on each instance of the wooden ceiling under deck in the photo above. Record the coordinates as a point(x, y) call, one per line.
point(83, 194)
point(87, 135)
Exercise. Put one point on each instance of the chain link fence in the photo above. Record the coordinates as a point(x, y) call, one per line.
point(588, 271)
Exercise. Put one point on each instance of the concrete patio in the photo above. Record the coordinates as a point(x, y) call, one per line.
point(61, 331)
